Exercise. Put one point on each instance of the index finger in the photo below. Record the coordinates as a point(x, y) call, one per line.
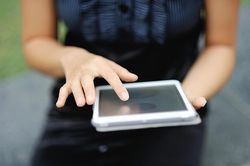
point(112, 78)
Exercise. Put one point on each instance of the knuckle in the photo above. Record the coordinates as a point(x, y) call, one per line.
point(110, 73)
point(89, 71)
point(86, 73)
point(121, 89)
point(118, 86)
point(74, 82)
point(112, 77)
point(108, 77)
point(73, 78)
point(83, 68)
point(98, 58)
point(63, 90)
point(77, 93)
point(99, 61)
point(124, 70)
point(86, 80)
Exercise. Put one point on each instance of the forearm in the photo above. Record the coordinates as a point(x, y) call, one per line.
point(45, 54)
point(210, 72)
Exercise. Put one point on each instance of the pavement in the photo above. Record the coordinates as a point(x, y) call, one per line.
point(24, 100)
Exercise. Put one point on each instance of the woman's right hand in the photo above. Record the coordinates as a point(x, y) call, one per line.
point(81, 68)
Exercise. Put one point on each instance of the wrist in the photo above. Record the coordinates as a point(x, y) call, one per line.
point(71, 54)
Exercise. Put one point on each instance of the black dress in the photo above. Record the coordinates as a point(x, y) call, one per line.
point(70, 139)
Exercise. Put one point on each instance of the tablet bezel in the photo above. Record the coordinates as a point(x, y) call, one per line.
point(108, 120)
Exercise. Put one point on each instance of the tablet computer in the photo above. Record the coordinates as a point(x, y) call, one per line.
point(151, 104)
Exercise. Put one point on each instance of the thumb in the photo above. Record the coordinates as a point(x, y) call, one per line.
point(198, 102)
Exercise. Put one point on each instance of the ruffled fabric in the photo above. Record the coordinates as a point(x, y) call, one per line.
point(142, 21)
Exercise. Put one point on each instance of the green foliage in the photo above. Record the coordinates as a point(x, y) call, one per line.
point(11, 56)
point(245, 2)
point(11, 59)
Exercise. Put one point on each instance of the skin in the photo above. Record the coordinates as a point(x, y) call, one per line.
point(207, 76)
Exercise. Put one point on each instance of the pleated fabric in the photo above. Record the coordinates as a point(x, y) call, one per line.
point(139, 21)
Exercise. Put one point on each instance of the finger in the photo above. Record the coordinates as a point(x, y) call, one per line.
point(123, 73)
point(199, 102)
point(78, 93)
point(113, 79)
point(63, 95)
point(89, 89)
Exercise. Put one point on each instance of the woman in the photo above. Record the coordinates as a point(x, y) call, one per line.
point(113, 40)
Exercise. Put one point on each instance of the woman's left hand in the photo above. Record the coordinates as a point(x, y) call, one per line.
point(197, 102)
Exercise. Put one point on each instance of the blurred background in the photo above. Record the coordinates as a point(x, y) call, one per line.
point(24, 97)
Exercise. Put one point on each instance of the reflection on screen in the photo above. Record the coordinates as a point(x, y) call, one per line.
point(141, 100)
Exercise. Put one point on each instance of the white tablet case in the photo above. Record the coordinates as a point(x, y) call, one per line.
point(194, 121)
point(180, 122)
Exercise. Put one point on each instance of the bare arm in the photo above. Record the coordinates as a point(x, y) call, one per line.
point(42, 51)
point(80, 67)
point(215, 64)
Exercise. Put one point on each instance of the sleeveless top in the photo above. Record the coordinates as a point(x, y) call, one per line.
point(155, 39)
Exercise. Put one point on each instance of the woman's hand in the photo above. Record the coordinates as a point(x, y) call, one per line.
point(198, 102)
point(81, 68)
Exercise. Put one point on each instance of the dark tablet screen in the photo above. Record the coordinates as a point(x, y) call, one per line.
point(141, 100)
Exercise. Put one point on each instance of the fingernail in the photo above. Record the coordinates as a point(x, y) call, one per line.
point(58, 104)
point(133, 74)
point(91, 99)
point(204, 102)
point(81, 102)
point(124, 96)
